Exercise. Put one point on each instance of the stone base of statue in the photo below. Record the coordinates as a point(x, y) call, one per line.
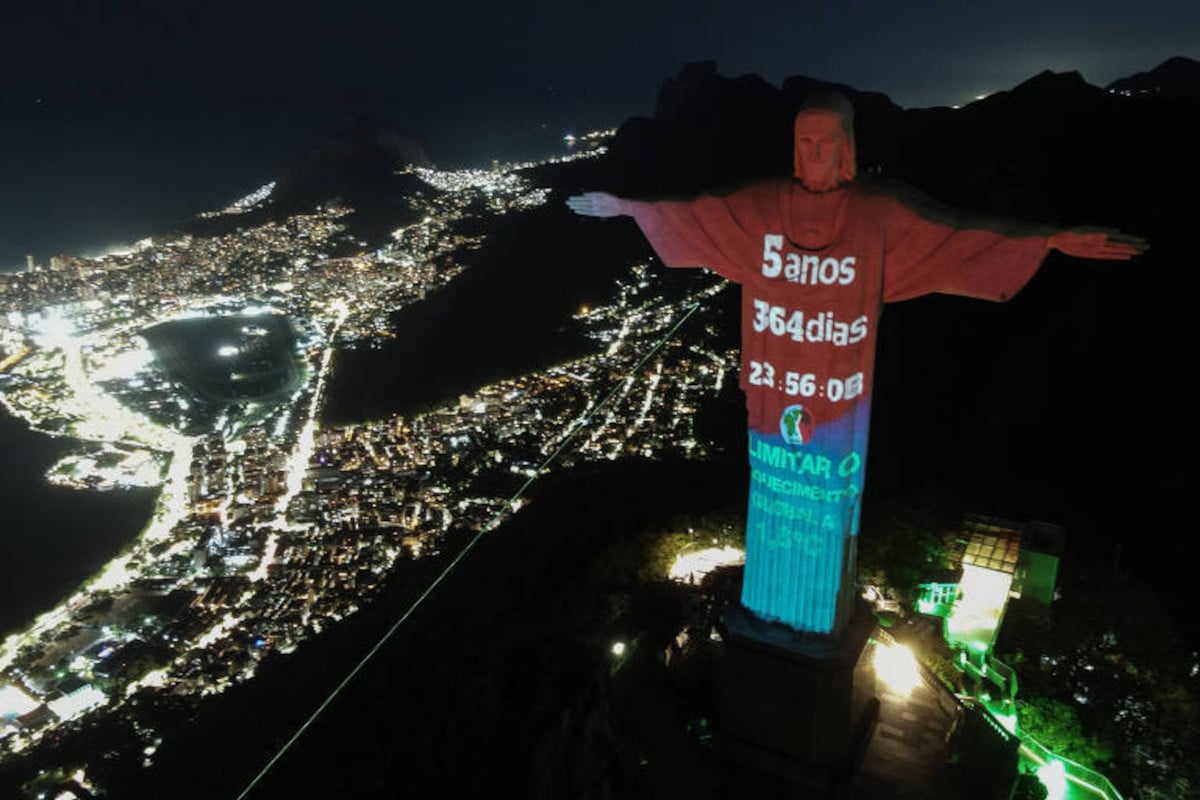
point(794, 706)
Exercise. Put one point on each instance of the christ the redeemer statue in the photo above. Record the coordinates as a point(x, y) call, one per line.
point(817, 256)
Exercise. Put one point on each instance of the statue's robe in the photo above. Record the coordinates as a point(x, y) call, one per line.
point(815, 270)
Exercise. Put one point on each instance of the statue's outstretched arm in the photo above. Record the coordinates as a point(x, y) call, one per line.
point(1108, 245)
point(1080, 242)
point(597, 204)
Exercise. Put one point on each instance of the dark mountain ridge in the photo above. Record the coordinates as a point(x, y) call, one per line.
point(1052, 133)
point(356, 164)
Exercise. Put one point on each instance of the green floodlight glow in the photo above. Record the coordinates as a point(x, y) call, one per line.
point(1053, 776)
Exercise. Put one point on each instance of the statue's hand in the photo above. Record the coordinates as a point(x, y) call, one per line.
point(1099, 244)
point(596, 204)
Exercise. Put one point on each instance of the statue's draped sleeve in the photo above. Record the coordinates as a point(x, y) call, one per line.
point(928, 250)
point(707, 231)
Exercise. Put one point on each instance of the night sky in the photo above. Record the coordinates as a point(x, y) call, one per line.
point(120, 118)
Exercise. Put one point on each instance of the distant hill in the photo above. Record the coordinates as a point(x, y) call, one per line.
point(356, 164)
point(359, 165)
point(1175, 77)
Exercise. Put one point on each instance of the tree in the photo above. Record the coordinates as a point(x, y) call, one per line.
point(898, 547)
point(1028, 787)
point(1056, 726)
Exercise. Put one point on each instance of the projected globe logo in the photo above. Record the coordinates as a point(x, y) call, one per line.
point(795, 425)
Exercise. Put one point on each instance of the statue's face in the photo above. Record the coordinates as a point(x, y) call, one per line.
point(819, 143)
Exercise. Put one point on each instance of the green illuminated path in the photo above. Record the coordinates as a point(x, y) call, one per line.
point(1073, 781)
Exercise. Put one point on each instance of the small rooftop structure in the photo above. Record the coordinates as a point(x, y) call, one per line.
point(990, 543)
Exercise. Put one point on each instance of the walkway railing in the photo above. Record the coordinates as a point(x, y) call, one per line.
point(1078, 774)
point(1029, 748)
point(992, 670)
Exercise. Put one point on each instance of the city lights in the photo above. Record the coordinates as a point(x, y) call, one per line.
point(270, 527)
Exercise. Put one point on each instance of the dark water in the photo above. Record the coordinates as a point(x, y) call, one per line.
point(262, 361)
point(52, 538)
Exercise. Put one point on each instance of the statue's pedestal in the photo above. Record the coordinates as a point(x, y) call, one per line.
point(800, 707)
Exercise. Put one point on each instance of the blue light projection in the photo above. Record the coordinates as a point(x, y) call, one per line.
point(804, 508)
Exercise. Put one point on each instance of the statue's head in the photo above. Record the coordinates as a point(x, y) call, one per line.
point(823, 154)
